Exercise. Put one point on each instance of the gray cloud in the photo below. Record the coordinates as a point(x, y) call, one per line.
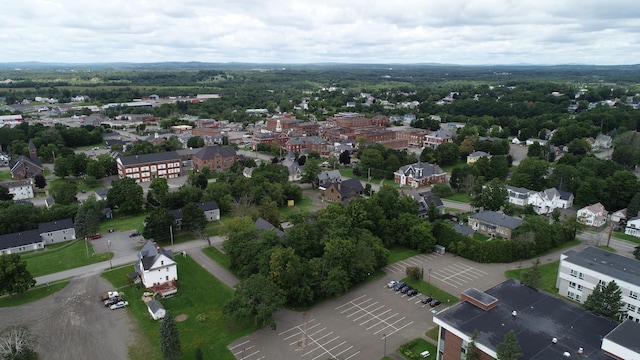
point(299, 31)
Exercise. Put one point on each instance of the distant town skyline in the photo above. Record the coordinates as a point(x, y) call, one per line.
point(465, 32)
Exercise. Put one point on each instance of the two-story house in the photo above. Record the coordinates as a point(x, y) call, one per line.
point(593, 215)
point(476, 155)
point(57, 231)
point(580, 272)
point(210, 209)
point(21, 190)
point(633, 227)
point(419, 174)
point(146, 167)
point(544, 202)
point(156, 266)
point(343, 190)
point(327, 177)
point(436, 138)
point(518, 196)
point(492, 223)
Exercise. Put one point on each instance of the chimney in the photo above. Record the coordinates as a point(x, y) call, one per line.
point(158, 248)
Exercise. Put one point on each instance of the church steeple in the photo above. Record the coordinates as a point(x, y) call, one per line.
point(33, 152)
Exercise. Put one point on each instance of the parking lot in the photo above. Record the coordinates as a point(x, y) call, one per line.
point(358, 324)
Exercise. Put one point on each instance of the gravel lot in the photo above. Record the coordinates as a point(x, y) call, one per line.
point(73, 324)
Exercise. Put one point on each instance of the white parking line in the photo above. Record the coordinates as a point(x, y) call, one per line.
point(242, 343)
point(347, 358)
point(297, 327)
point(349, 302)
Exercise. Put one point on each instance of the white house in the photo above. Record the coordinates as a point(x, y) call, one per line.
point(57, 231)
point(633, 227)
point(210, 209)
point(156, 266)
point(544, 202)
point(20, 242)
point(4, 159)
point(593, 215)
point(619, 215)
point(156, 309)
point(21, 190)
point(518, 196)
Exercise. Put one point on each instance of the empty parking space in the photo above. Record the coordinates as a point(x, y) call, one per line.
point(314, 340)
point(246, 350)
point(457, 275)
point(421, 261)
point(374, 317)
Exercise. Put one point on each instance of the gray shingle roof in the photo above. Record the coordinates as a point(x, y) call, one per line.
point(497, 218)
point(57, 225)
point(149, 253)
point(23, 238)
point(150, 158)
point(209, 152)
point(264, 225)
point(607, 263)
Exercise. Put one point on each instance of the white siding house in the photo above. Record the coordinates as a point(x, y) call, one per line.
point(633, 227)
point(21, 190)
point(544, 202)
point(156, 266)
point(593, 215)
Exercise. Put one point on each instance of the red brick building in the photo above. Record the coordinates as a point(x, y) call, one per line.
point(414, 137)
point(353, 120)
point(282, 123)
point(146, 167)
point(217, 158)
point(419, 174)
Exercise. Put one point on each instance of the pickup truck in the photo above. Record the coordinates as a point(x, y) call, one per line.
point(109, 295)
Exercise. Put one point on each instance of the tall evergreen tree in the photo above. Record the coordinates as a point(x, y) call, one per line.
point(169, 338)
point(606, 300)
point(532, 277)
point(509, 349)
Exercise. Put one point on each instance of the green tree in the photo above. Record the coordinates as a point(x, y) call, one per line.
point(533, 276)
point(413, 272)
point(158, 190)
point(606, 300)
point(170, 338)
point(126, 195)
point(14, 276)
point(158, 225)
point(447, 153)
point(634, 205)
point(492, 196)
point(636, 252)
point(509, 349)
point(472, 350)
point(255, 297)
point(40, 181)
point(4, 194)
point(195, 142)
point(193, 218)
point(64, 192)
point(17, 343)
point(311, 171)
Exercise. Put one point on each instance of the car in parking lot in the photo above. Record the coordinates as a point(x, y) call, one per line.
point(426, 299)
point(435, 303)
point(391, 284)
point(119, 305)
point(95, 237)
point(425, 353)
point(399, 286)
point(405, 289)
point(412, 292)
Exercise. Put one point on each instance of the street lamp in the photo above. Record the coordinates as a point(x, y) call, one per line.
point(385, 345)
point(109, 253)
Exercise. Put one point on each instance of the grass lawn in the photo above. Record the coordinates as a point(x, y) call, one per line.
point(428, 289)
point(79, 183)
point(623, 236)
point(5, 175)
point(69, 256)
point(548, 276)
point(124, 223)
point(200, 295)
point(433, 333)
point(34, 294)
point(449, 168)
point(348, 172)
point(413, 348)
point(480, 237)
point(459, 196)
point(303, 205)
point(397, 254)
point(218, 257)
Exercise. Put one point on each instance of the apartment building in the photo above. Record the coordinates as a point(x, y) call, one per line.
point(146, 167)
point(581, 271)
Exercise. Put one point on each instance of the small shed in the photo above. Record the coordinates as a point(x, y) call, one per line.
point(439, 249)
point(156, 309)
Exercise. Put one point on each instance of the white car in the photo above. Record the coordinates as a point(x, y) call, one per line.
point(425, 354)
point(119, 305)
point(391, 284)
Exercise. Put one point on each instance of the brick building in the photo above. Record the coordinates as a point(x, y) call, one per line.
point(146, 167)
point(217, 158)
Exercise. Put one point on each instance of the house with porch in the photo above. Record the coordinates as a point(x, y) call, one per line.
point(157, 268)
point(593, 215)
point(544, 202)
point(492, 223)
point(419, 174)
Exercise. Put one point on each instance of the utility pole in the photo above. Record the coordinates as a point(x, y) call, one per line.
point(610, 231)
point(109, 253)
point(171, 233)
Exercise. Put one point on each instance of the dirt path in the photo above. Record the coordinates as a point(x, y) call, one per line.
point(72, 324)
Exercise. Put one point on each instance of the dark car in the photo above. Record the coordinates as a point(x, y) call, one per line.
point(399, 286)
point(405, 289)
point(134, 234)
point(412, 292)
point(435, 303)
point(426, 299)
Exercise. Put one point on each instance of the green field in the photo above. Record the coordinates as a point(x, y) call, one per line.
point(33, 294)
point(413, 348)
point(124, 223)
point(200, 295)
point(623, 236)
point(548, 276)
point(69, 255)
point(218, 257)
point(5, 175)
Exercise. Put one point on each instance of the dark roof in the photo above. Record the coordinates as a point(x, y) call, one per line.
point(155, 305)
point(430, 197)
point(204, 206)
point(496, 218)
point(347, 186)
point(463, 229)
point(421, 170)
point(111, 142)
point(540, 318)
point(23, 159)
point(626, 335)
point(28, 237)
point(102, 192)
point(264, 225)
point(150, 158)
point(149, 253)
point(209, 152)
point(606, 263)
point(57, 225)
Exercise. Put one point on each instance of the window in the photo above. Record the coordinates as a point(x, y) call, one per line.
point(574, 273)
point(572, 284)
point(580, 287)
point(161, 262)
point(633, 295)
point(578, 298)
point(602, 282)
point(580, 276)
point(631, 307)
point(571, 295)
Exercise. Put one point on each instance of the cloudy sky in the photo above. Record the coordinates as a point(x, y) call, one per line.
point(301, 31)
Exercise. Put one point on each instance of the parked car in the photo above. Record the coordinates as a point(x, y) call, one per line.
point(412, 292)
point(111, 230)
point(119, 305)
point(399, 286)
point(134, 234)
point(95, 236)
point(405, 289)
point(435, 303)
point(391, 284)
point(112, 301)
point(426, 299)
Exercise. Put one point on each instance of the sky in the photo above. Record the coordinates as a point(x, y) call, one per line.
point(466, 32)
